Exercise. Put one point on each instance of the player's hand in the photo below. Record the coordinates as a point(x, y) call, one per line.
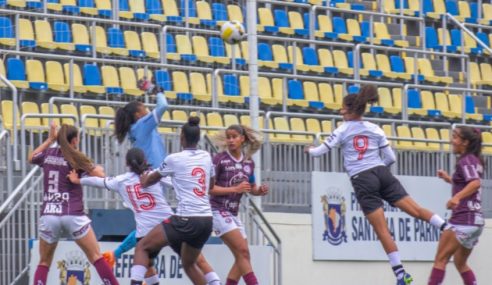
point(53, 135)
point(453, 203)
point(243, 187)
point(307, 148)
point(444, 175)
point(73, 176)
point(109, 257)
point(263, 190)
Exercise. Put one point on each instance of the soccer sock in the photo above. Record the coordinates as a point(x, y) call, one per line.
point(250, 278)
point(231, 282)
point(105, 272)
point(395, 262)
point(41, 275)
point(128, 243)
point(438, 222)
point(137, 272)
point(437, 276)
point(212, 278)
point(469, 278)
point(152, 280)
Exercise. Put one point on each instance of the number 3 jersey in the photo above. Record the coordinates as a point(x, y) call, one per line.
point(361, 142)
point(149, 205)
point(190, 171)
point(60, 196)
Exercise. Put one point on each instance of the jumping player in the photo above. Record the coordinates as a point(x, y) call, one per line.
point(63, 206)
point(234, 175)
point(186, 232)
point(361, 143)
point(467, 219)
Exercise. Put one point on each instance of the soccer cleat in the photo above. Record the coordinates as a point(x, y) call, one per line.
point(405, 280)
point(109, 257)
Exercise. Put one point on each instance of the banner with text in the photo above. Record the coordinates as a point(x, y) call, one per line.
point(341, 232)
point(70, 266)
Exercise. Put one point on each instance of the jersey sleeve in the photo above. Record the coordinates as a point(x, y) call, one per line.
point(383, 140)
point(216, 166)
point(38, 158)
point(335, 138)
point(167, 167)
point(110, 183)
point(469, 169)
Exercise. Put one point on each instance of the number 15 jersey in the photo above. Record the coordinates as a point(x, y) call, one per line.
point(361, 142)
point(190, 171)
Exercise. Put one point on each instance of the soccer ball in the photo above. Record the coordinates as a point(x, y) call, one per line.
point(232, 32)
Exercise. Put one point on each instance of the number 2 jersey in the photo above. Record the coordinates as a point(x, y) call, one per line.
point(361, 143)
point(190, 171)
point(149, 205)
point(60, 196)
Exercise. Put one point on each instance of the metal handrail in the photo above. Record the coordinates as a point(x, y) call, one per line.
point(470, 33)
point(6, 134)
point(16, 192)
point(14, 117)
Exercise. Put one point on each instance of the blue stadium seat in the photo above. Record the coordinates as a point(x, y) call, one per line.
point(163, 80)
point(484, 38)
point(452, 7)
point(3, 3)
point(474, 11)
point(87, 4)
point(365, 29)
point(397, 65)
point(469, 105)
point(456, 41)
point(16, 70)
point(428, 7)
point(353, 89)
point(219, 12)
point(231, 85)
point(339, 25)
point(115, 38)
point(62, 32)
point(307, 22)
point(397, 4)
point(91, 75)
point(414, 100)
point(154, 7)
point(265, 56)
point(281, 19)
point(296, 92)
point(7, 36)
point(311, 58)
point(216, 46)
point(71, 9)
point(191, 8)
point(431, 40)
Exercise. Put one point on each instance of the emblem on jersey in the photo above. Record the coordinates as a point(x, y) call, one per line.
point(247, 169)
point(334, 210)
point(74, 269)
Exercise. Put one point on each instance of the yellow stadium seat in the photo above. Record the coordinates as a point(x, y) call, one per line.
point(103, 4)
point(235, 13)
point(432, 134)
point(442, 104)
point(327, 126)
point(137, 6)
point(281, 124)
point(382, 34)
point(440, 34)
point(214, 120)
point(17, 3)
point(101, 41)
point(180, 84)
point(426, 69)
point(110, 76)
point(298, 125)
point(278, 92)
point(299, 59)
point(230, 120)
point(279, 54)
point(327, 97)
point(237, 51)
point(464, 11)
point(487, 13)
point(369, 64)
point(80, 35)
point(353, 28)
point(388, 131)
point(58, 7)
point(202, 52)
point(476, 77)
point(106, 111)
point(389, 7)
point(386, 101)
point(78, 86)
point(183, 46)
point(439, 9)
point(199, 87)
point(341, 62)
point(456, 106)
point(35, 71)
point(132, 41)
point(325, 26)
point(445, 136)
point(397, 97)
point(486, 70)
point(384, 65)
point(264, 90)
point(44, 34)
point(129, 81)
point(404, 132)
point(311, 93)
point(179, 115)
point(418, 133)
point(31, 108)
point(410, 68)
point(296, 21)
point(204, 12)
point(246, 121)
point(45, 109)
point(8, 115)
point(150, 45)
point(2, 72)
point(55, 77)
point(265, 18)
point(26, 31)
point(428, 103)
point(487, 139)
point(91, 123)
point(68, 109)
point(313, 126)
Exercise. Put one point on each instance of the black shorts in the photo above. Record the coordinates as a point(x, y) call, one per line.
point(195, 231)
point(374, 185)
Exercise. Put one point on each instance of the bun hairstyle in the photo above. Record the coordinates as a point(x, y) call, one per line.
point(474, 138)
point(252, 139)
point(75, 158)
point(125, 117)
point(135, 159)
point(356, 103)
point(191, 131)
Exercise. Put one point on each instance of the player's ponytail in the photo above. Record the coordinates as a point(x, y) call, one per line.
point(252, 139)
point(356, 103)
point(135, 160)
point(125, 117)
point(191, 131)
point(75, 158)
point(474, 138)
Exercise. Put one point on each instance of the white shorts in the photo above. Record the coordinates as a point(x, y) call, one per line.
point(225, 222)
point(467, 236)
point(52, 228)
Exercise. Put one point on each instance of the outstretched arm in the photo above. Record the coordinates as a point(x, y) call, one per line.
point(46, 144)
point(147, 180)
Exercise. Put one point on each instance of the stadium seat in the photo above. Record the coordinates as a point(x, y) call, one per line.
point(150, 45)
point(31, 124)
point(487, 14)
point(70, 7)
point(101, 41)
point(418, 133)
point(54, 5)
point(16, 73)
point(155, 11)
point(382, 36)
point(403, 132)
point(386, 101)
point(192, 11)
point(228, 89)
point(340, 28)
point(204, 13)
point(8, 115)
point(88, 7)
point(310, 58)
point(104, 8)
point(181, 87)
point(326, 126)
point(230, 119)
point(281, 124)
point(433, 134)
point(7, 36)
point(369, 66)
point(449, 46)
point(26, 34)
point(116, 42)
point(91, 123)
point(68, 109)
point(442, 104)
point(142, 72)
point(2, 72)
point(92, 79)
point(81, 38)
point(172, 51)
point(282, 22)
point(328, 97)
point(63, 36)
point(235, 13)
point(199, 87)
point(311, 95)
point(438, 8)
point(341, 62)
point(427, 71)
point(124, 9)
point(299, 59)
point(184, 48)
point(469, 42)
point(163, 80)
point(265, 56)
point(297, 24)
point(266, 23)
point(214, 120)
point(280, 57)
point(219, 13)
point(486, 70)
point(54, 77)
point(78, 86)
point(313, 126)
point(129, 81)
point(44, 35)
point(325, 28)
point(238, 55)
point(384, 65)
point(45, 109)
point(264, 90)
point(111, 80)
point(326, 61)
point(106, 111)
point(298, 125)
point(132, 41)
point(172, 13)
point(137, 7)
point(202, 53)
point(476, 77)
point(468, 11)
point(217, 50)
point(179, 115)
point(487, 139)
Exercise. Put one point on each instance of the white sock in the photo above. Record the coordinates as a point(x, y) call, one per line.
point(152, 280)
point(394, 258)
point(436, 221)
point(212, 278)
point(138, 272)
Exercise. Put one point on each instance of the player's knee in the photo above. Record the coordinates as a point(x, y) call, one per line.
point(243, 253)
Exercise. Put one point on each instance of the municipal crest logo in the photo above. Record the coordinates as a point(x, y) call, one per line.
point(334, 211)
point(74, 269)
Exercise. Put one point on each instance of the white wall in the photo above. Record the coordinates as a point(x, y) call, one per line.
point(299, 267)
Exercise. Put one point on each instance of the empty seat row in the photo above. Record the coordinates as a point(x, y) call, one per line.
point(434, 40)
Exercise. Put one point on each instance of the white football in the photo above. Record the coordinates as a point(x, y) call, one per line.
point(232, 32)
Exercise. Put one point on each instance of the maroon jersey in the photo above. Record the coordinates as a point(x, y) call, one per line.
point(60, 196)
point(469, 210)
point(228, 173)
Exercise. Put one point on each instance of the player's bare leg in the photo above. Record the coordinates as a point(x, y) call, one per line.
point(242, 265)
point(189, 256)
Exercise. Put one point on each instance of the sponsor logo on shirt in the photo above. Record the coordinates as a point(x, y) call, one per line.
point(53, 208)
point(55, 160)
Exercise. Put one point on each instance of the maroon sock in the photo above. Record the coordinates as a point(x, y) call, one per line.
point(41, 275)
point(437, 276)
point(105, 272)
point(469, 278)
point(250, 278)
point(231, 282)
